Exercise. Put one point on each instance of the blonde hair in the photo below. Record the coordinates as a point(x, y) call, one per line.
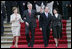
point(29, 4)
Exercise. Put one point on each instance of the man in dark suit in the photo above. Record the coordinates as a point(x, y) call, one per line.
point(9, 5)
point(30, 23)
point(44, 23)
point(22, 6)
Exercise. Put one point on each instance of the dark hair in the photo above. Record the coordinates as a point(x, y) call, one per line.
point(56, 9)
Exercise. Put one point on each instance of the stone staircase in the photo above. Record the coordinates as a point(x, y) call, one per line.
point(7, 39)
point(68, 31)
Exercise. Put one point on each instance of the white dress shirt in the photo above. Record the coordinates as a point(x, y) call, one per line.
point(29, 11)
point(46, 14)
point(56, 15)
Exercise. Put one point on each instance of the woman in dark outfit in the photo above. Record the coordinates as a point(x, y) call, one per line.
point(56, 26)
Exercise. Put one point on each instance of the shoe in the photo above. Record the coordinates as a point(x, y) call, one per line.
point(56, 45)
point(46, 45)
point(31, 45)
point(28, 44)
point(16, 46)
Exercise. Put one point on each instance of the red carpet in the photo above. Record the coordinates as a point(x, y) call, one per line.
point(39, 38)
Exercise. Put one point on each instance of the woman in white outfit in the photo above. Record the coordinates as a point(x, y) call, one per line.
point(15, 19)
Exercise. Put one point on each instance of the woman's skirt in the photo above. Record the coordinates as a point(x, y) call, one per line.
point(16, 31)
point(57, 32)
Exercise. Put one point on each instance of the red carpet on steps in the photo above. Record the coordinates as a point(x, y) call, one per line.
point(22, 43)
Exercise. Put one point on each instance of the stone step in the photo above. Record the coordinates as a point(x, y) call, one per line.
point(69, 37)
point(68, 28)
point(9, 30)
point(5, 41)
point(8, 27)
point(6, 36)
point(69, 18)
point(7, 24)
point(69, 45)
point(6, 45)
point(10, 33)
point(68, 32)
point(68, 21)
point(69, 41)
point(68, 25)
point(11, 37)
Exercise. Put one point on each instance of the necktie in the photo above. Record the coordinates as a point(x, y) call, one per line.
point(29, 13)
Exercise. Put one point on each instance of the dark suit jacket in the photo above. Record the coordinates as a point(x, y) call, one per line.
point(57, 21)
point(30, 19)
point(44, 21)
